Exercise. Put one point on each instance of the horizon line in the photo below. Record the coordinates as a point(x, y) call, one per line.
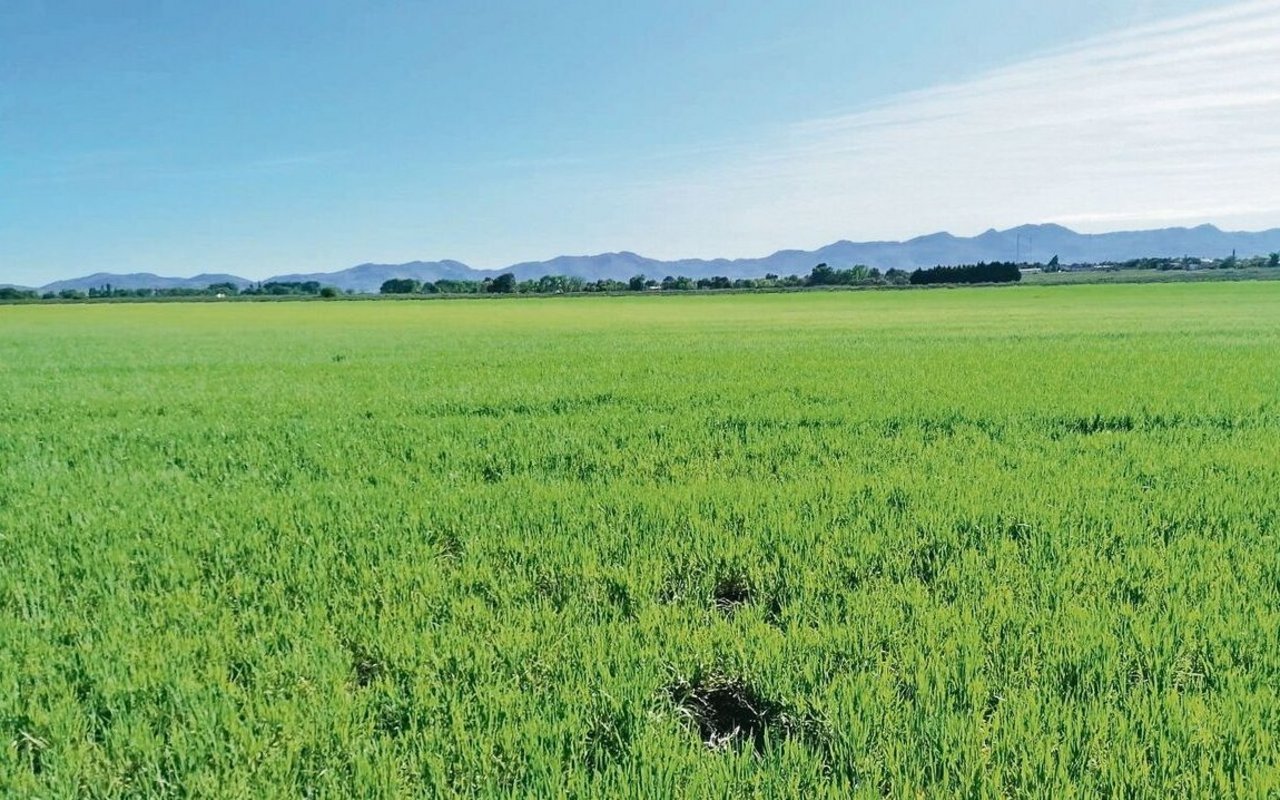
point(625, 252)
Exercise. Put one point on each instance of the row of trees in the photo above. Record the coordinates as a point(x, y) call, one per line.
point(995, 272)
point(821, 275)
point(268, 289)
point(282, 288)
point(1185, 263)
point(1230, 262)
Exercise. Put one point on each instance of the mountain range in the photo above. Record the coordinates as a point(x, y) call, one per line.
point(1027, 243)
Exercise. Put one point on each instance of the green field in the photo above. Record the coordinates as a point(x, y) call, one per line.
point(972, 542)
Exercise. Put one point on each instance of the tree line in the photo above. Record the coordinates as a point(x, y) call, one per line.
point(1187, 263)
point(227, 289)
point(820, 276)
point(995, 272)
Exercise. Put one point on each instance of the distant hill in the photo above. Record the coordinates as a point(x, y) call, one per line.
point(143, 280)
point(369, 277)
point(1027, 243)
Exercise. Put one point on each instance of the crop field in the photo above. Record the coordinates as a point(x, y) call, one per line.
point(980, 542)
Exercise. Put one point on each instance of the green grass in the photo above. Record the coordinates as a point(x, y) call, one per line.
point(973, 542)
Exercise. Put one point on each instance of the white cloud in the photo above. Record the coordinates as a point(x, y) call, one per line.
point(1171, 123)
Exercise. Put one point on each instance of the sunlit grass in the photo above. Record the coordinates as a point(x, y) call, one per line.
point(1008, 541)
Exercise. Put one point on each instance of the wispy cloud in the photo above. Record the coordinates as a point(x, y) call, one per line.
point(1167, 123)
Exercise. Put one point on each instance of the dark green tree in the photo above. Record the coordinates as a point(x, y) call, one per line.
point(400, 286)
point(822, 275)
point(503, 284)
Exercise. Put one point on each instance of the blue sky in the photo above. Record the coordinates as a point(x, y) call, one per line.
point(260, 138)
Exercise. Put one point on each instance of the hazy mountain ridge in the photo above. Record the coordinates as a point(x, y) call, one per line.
point(368, 277)
point(1029, 243)
point(143, 280)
